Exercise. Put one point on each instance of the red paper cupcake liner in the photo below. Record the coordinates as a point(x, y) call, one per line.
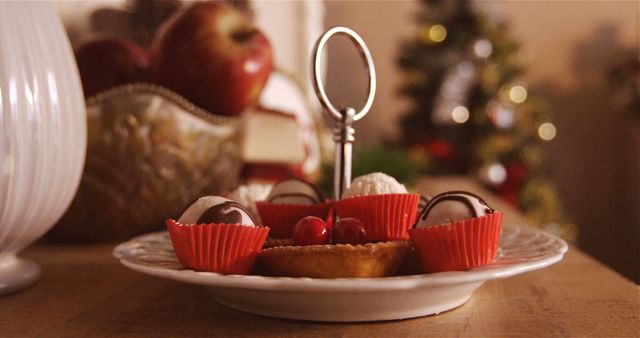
point(221, 248)
point(460, 245)
point(282, 217)
point(385, 217)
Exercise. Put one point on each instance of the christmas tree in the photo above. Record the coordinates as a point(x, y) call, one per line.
point(470, 110)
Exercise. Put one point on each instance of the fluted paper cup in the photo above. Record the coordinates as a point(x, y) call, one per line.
point(282, 217)
point(385, 217)
point(221, 248)
point(461, 245)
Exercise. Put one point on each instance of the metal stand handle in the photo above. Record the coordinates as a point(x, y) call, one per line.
point(343, 132)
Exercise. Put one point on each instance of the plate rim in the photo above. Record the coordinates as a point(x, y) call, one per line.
point(404, 282)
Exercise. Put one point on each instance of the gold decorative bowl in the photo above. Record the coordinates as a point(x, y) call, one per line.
point(150, 152)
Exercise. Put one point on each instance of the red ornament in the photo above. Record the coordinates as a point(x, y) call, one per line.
point(440, 150)
point(517, 173)
point(509, 194)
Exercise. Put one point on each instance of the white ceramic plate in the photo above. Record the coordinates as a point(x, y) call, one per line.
point(522, 249)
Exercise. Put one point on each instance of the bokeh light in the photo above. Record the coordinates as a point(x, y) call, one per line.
point(518, 94)
point(547, 131)
point(497, 173)
point(460, 114)
point(483, 48)
point(493, 173)
point(501, 116)
point(437, 33)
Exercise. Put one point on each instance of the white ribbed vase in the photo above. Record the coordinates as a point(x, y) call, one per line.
point(42, 132)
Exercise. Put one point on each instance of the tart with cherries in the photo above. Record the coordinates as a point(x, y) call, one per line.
point(368, 240)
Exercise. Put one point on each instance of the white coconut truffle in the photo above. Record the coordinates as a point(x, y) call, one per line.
point(216, 209)
point(374, 184)
point(452, 206)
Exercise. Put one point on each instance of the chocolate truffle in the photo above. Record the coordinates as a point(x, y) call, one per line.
point(216, 209)
point(296, 192)
point(452, 206)
point(374, 184)
point(423, 202)
point(248, 195)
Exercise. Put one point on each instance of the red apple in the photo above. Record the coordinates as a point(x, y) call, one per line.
point(108, 62)
point(212, 54)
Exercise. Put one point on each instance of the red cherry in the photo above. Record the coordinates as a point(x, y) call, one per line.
point(349, 231)
point(310, 231)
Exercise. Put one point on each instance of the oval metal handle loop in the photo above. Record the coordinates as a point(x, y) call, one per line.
point(317, 80)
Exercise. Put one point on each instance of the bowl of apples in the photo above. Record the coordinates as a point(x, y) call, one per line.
point(163, 123)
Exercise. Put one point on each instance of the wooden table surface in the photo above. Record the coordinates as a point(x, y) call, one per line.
point(86, 292)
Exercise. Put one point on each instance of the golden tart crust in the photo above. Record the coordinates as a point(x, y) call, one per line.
point(336, 260)
point(272, 242)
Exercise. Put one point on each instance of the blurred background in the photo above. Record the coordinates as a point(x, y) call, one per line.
point(537, 101)
point(568, 51)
